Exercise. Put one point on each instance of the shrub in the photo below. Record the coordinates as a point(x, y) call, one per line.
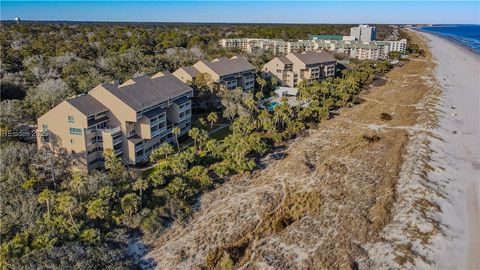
point(385, 116)
point(371, 138)
point(226, 262)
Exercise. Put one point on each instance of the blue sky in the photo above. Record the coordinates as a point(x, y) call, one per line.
point(247, 11)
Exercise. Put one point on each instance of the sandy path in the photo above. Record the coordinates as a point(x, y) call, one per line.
point(457, 154)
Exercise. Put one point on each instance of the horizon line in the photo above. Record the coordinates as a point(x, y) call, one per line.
point(199, 22)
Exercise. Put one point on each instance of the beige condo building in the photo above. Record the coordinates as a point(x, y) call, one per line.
point(132, 118)
point(229, 72)
point(363, 50)
point(294, 68)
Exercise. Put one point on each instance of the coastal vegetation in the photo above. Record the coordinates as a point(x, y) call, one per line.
point(53, 217)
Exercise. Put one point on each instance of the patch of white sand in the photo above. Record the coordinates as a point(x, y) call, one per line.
point(458, 71)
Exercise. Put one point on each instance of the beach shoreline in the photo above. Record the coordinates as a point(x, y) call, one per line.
point(455, 155)
point(451, 39)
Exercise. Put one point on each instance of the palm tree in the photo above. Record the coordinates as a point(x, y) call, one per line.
point(212, 118)
point(202, 138)
point(140, 185)
point(194, 133)
point(163, 151)
point(77, 183)
point(262, 82)
point(113, 163)
point(199, 174)
point(274, 81)
point(97, 209)
point(175, 132)
point(130, 203)
point(46, 196)
point(178, 164)
point(66, 205)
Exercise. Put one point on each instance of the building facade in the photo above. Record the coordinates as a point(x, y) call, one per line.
point(364, 32)
point(363, 50)
point(294, 68)
point(229, 72)
point(132, 119)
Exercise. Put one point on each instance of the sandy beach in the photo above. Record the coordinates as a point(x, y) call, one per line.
point(455, 155)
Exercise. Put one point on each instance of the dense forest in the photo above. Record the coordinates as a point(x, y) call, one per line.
point(55, 218)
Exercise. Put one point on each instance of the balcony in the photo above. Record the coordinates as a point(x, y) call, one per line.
point(118, 152)
point(112, 130)
point(138, 147)
point(156, 133)
point(118, 140)
point(140, 158)
point(157, 121)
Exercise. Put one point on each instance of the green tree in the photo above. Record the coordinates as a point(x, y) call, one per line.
point(77, 183)
point(90, 236)
point(113, 164)
point(261, 82)
point(67, 204)
point(212, 118)
point(200, 174)
point(259, 95)
point(178, 163)
point(176, 131)
point(98, 209)
point(273, 81)
point(157, 177)
point(140, 185)
point(194, 133)
point(46, 196)
point(179, 189)
point(163, 151)
point(130, 203)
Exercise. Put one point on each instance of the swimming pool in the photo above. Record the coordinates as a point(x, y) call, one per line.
point(272, 105)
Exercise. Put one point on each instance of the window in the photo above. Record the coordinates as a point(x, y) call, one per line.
point(45, 127)
point(76, 131)
point(70, 119)
point(71, 141)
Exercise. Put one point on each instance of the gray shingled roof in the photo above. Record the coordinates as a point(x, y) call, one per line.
point(225, 66)
point(87, 105)
point(309, 58)
point(285, 60)
point(146, 91)
point(191, 70)
point(154, 112)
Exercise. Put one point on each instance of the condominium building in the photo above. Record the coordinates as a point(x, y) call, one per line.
point(394, 45)
point(364, 32)
point(363, 50)
point(132, 119)
point(294, 68)
point(276, 46)
point(231, 73)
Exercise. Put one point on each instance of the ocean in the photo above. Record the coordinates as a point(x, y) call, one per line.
point(466, 35)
